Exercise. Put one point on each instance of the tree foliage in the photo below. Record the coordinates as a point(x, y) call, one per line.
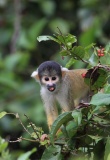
point(84, 131)
point(88, 125)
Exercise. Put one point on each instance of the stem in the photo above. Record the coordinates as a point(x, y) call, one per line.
point(69, 53)
point(32, 126)
point(17, 116)
point(63, 38)
point(24, 126)
point(26, 139)
point(17, 25)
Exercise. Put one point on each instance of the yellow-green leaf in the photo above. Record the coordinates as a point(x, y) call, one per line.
point(2, 114)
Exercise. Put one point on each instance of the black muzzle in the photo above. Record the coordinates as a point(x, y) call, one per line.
point(51, 87)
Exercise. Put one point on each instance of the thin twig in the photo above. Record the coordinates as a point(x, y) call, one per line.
point(32, 126)
point(62, 37)
point(69, 52)
point(26, 139)
point(104, 66)
point(17, 116)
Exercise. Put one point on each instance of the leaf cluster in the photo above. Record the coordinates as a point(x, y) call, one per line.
point(82, 132)
point(5, 154)
point(85, 131)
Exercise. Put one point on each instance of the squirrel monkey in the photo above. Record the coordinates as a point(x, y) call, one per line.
point(59, 84)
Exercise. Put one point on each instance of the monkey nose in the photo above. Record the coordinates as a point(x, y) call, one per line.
point(51, 88)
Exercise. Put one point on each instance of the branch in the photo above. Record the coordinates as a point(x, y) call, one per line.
point(26, 139)
point(17, 116)
point(32, 126)
point(17, 25)
point(104, 67)
point(69, 52)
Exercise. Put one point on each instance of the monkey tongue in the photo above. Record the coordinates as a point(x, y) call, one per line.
point(51, 89)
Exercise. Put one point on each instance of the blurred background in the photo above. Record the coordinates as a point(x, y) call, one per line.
point(21, 22)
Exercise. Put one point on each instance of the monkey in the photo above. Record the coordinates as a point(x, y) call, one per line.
point(58, 84)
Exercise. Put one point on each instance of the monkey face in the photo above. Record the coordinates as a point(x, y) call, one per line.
point(50, 82)
point(49, 74)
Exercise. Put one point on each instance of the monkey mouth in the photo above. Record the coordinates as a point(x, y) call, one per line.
point(51, 88)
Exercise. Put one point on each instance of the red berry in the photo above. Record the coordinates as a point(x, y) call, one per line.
point(101, 54)
point(43, 137)
point(83, 75)
point(99, 51)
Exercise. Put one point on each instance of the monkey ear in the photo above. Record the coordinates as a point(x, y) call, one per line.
point(35, 75)
point(64, 70)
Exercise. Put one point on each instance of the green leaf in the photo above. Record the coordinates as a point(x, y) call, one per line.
point(61, 39)
point(12, 60)
point(100, 99)
point(35, 30)
point(93, 60)
point(47, 38)
point(89, 46)
point(78, 52)
point(96, 138)
point(107, 150)
point(62, 119)
point(43, 38)
point(77, 115)
point(70, 63)
point(28, 37)
point(105, 59)
point(70, 39)
point(17, 60)
point(63, 53)
point(52, 153)
point(107, 47)
point(97, 108)
point(26, 155)
point(71, 128)
point(66, 40)
point(3, 145)
point(24, 41)
point(101, 121)
point(2, 114)
point(7, 79)
point(107, 88)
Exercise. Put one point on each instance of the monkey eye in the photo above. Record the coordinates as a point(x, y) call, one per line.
point(53, 78)
point(46, 79)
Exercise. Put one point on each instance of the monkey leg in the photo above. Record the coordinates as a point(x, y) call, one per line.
point(52, 114)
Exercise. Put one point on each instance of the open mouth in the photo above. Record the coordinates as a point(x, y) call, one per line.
point(51, 88)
